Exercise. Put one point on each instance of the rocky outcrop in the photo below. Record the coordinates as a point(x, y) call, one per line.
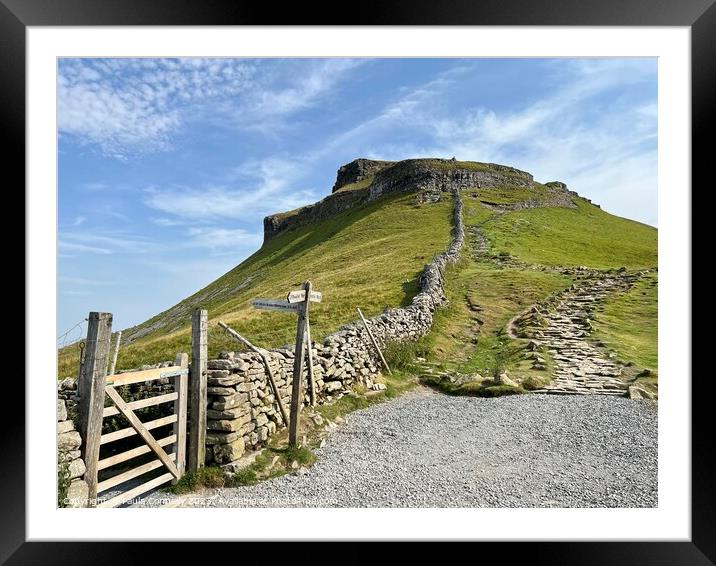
point(358, 170)
point(326, 208)
point(412, 175)
point(437, 175)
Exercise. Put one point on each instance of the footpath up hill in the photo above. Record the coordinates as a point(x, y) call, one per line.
point(367, 243)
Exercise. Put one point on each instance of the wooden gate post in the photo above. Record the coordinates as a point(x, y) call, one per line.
point(180, 410)
point(296, 391)
point(197, 396)
point(116, 353)
point(91, 388)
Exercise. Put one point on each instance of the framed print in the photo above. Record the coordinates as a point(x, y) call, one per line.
point(401, 277)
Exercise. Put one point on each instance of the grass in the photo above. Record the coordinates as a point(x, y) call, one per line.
point(210, 476)
point(357, 185)
point(510, 195)
point(470, 336)
point(372, 256)
point(471, 388)
point(369, 257)
point(628, 324)
point(502, 293)
point(63, 483)
point(585, 235)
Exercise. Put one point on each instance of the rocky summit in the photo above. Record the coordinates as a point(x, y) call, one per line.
point(363, 180)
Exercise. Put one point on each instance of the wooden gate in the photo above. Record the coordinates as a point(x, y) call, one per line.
point(173, 461)
point(96, 390)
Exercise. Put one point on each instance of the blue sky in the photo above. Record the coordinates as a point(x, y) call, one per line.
point(168, 166)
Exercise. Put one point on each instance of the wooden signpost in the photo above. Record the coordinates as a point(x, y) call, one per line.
point(275, 305)
point(297, 301)
point(300, 296)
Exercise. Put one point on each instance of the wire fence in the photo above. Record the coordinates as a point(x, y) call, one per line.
point(77, 332)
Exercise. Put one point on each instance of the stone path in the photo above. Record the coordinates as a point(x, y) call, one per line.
point(563, 326)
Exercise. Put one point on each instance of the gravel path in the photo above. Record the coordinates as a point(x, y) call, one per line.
point(427, 449)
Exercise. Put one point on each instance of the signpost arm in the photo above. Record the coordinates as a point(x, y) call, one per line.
point(296, 393)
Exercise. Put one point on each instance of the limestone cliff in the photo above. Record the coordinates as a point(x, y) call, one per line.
point(364, 180)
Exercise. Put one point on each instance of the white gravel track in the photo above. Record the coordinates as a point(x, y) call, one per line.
point(427, 449)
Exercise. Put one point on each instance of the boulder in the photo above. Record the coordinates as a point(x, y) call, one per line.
point(61, 410)
point(65, 426)
point(235, 413)
point(225, 453)
point(76, 468)
point(69, 441)
point(333, 386)
point(504, 379)
point(77, 494)
point(69, 383)
point(220, 364)
point(220, 390)
point(230, 401)
point(227, 425)
point(638, 392)
point(213, 437)
point(67, 457)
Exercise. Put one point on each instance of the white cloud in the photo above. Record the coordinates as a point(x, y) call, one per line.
point(134, 106)
point(76, 247)
point(306, 89)
point(168, 222)
point(79, 220)
point(260, 188)
point(214, 237)
point(127, 106)
point(85, 281)
point(105, 243)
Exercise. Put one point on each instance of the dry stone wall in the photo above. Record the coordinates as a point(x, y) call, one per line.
point(243, 413)
point(71, 467)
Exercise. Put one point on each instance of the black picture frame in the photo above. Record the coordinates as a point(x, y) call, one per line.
point(699, 15)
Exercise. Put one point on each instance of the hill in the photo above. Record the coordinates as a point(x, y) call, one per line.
point(367, 243)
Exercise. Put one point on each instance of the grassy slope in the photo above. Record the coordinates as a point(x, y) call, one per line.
point(485, 296)
point(585, 235)
point(369, 257)
point(627, 324)
point(356, 186)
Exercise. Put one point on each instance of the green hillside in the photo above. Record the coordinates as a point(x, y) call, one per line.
point(585, 235)
point(627, 324)
point(516, 269)
point(369, 257)
point(522, 246)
